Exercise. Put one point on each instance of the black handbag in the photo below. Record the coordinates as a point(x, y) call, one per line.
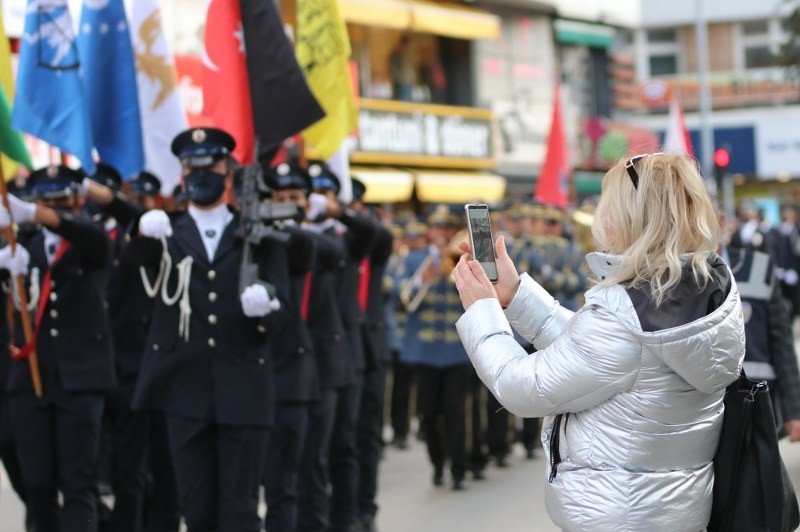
point(752, 489)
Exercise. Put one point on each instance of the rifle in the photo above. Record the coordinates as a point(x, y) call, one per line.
point(259, 221)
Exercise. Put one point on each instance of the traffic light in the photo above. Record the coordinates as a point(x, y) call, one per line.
point(722, 160)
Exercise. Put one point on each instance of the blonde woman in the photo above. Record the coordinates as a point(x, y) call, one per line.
point(634, 381)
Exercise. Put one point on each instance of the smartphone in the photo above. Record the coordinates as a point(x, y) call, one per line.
point(480, 237)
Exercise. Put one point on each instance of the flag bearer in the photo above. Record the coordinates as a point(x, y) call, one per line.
point(207, 363)
point(57, 436)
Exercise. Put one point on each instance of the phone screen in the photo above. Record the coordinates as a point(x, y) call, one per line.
point(480, 230)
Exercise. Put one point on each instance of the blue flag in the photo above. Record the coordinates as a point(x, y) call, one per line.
point(109, 78)
point(49, 101)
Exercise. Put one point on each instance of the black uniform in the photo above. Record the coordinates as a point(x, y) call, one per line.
point(335, 372)
point(134, 435)
point(359, 238)
point(214, 385)
point(57, 436)
point(296, 388)
point(378, 354)
point(769, 342)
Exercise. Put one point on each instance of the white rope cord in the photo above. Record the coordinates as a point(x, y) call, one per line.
point(184, 268)
point(33, 291)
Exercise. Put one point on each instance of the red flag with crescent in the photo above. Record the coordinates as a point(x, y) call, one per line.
point(226, 87)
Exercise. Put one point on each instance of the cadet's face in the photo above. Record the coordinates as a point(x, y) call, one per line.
point(515, 228)
point(440, 236)
point(292, 195)
point(146, 202)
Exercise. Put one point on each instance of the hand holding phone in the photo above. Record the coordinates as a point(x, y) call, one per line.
point(480, 238)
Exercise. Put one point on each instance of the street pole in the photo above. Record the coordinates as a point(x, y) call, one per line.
point(706, 132)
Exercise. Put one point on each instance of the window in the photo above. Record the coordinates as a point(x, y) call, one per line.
point(663, 65)
point(661, 36)
point(758, 57)
point(755, 27)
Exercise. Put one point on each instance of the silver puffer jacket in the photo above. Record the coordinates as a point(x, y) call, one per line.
point(645, 407)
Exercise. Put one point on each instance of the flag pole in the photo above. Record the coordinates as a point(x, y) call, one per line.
point(27, 325)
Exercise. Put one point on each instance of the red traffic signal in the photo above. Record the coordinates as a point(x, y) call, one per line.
point(722, 158)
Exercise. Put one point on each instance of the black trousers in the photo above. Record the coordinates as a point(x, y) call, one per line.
point(129, 433)
point(402, 380)
point(530, 433)
point(57, 441)
point(8, 451)
point(477, 426)
point(343, 459)
point(162, 510)
point(370, 439)
point(498, 421)
point(330, 456)
point(443, 393)
point(218, 468)
point(313, 478)
point(282, 465)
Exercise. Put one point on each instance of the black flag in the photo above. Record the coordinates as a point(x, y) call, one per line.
point(283, 104)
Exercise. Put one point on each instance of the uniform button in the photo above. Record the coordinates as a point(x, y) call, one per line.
point(54, 313)
point(212, 296)
point(212, 275)
point(261, 361)
point(127, 237)
point(98, 336)
point(53, 332)
point(155, 347)
point(53, 296)
point(300, 350)
point(52, 284)
point(262, 329)
point(212, 319)
point(79, 271)
point(212, 342)
point(115, 262)
point(336, 337)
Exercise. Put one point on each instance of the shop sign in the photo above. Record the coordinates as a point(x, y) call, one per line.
point(425, 135)
point(778, 149)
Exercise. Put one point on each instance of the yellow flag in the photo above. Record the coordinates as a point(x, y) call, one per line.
point(7, 82)
point(323, 50)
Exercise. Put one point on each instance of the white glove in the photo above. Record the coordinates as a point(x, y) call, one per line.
point(318, 206)
point(256, 302)
point(83, 189)
point(155, 224)
point(21, 211)
point(791, 277)
point(16, 265)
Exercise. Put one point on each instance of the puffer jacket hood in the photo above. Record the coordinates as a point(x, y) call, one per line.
point(704, 360)
point(644, 403)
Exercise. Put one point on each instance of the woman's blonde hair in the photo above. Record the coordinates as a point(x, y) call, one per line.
point(669, 215)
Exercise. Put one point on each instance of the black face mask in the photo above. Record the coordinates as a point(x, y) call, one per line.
point(204, 187)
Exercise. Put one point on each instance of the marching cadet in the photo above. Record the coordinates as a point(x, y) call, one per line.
point(359, 234)
point(335, 366)
point(207, 363)
point(296, 377)
point(430, 343)
point(134, 435)
point(378, 357)
point(58, 435)
point(12, 266)
point(403, 372)
point(568, 259)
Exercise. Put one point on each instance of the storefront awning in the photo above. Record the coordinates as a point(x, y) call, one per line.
point(454, 21)
point(448, 20)
point(584, 33)
point(385, 185)
point(459, 187)
point(394, 14)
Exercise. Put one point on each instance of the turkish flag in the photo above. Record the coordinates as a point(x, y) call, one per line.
point(552, 186)
point(226, 87)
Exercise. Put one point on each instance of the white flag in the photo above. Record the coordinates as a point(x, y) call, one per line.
point(677, 138)
point(163, 115)
point(339, 163)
